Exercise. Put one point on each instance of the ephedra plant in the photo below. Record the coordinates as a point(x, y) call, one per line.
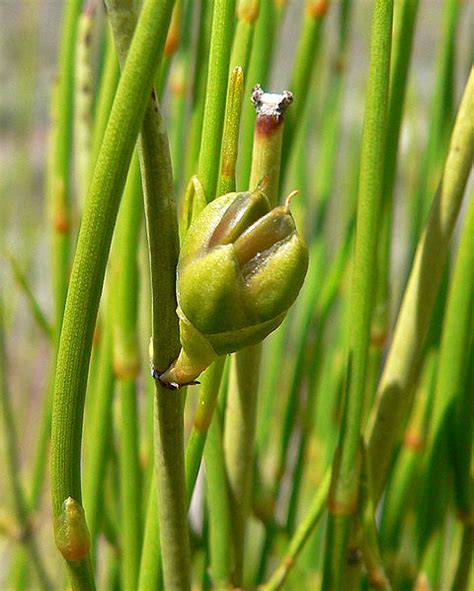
point(260, 327)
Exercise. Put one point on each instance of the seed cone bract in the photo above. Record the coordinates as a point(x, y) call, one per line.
point(241, 267)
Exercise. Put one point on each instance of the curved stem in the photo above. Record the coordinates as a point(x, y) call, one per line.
point(300, 536)
point(396, 387)
point(88, 270)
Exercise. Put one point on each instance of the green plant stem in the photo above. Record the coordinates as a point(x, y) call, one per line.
point(208, 392)
point(247, 14)
point(367, 530)
point(60, 185)
point(179, 88)
point(88, 270)
point(130, 496)
point(83, 98)
point(102, 395)
point(464, 566)
point(461, 428)
point(173, 39)
point(127, 365)
point(403, 42)
point(150, 563)
point(305, 59)
point(451, 381)
point(396, 386)
point(230, 137)
point(269, 382)
point(440, 117)
point(346, 470)
point(106, 94)
point(430, 568)
point(331, 122)
point(218, 507)
point(404, 475)
point(214, 108)
point(162, 234)
point(300, 537)
point(199, 87)
point(20, 505)
point(239, 432)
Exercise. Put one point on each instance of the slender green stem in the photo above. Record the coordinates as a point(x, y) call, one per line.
point(179, 90)
point(90, 261)
point(300, 537)
point(172, 42)
point(214, 109)
point(345, 476)
point(199, 87)
point(127, 365)
point(102, 395)
point(150, 563)
point(162, 234)
point(269, 382)
point(208, 392)
point(403, 481)
point(305, 59)
point(230, 138)
point(368, 531)
point(461, 428)
point(440, 116)
point(60, 185)
point(105, 97)
point(247, 14)
point(331, 121)
point(403, 42)
point(218, 507)
point(396, 386)
point(451, 381)
point(239, 433)
point(461, 577)
point(83, 98)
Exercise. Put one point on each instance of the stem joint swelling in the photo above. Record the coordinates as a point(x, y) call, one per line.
point(70, 531)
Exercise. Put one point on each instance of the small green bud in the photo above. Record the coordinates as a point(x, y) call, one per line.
point(241, 267)
point(70, 531)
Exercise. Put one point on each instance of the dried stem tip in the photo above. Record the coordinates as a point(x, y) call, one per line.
point(270, 104)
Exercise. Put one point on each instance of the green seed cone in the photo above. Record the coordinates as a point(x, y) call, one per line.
point(241, 267)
